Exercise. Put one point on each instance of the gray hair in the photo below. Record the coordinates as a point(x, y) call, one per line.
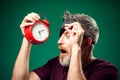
point(88, 24)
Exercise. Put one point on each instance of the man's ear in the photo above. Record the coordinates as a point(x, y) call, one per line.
point(89, 41)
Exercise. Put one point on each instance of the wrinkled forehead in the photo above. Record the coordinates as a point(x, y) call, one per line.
point(62, 27)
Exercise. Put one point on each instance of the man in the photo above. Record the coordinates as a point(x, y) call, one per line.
point(78, 35)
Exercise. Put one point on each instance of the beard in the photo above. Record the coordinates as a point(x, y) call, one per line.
point(65, 61)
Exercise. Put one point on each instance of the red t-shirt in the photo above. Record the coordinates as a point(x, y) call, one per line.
point(97, 70)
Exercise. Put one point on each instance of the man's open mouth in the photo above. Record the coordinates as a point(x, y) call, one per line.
point(63, 51)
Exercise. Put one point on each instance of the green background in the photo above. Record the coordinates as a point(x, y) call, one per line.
point(12, 12)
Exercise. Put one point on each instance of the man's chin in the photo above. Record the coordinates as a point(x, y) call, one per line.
point(64, 60)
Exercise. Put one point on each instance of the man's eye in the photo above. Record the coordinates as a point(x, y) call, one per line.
point(67, 34)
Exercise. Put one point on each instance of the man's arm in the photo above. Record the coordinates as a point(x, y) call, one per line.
point(21, 67)
point(75, 68)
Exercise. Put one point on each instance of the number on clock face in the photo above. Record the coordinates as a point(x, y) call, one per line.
point(40, 32)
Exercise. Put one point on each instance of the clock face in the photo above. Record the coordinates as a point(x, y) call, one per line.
point(40, 32)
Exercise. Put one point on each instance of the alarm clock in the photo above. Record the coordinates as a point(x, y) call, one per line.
point(38, 32)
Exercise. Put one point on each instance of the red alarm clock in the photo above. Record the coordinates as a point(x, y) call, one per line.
point(38, 32)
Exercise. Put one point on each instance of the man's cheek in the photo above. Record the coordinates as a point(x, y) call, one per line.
point(70, 49)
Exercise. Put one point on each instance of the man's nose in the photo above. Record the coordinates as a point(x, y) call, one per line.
point(60, 41)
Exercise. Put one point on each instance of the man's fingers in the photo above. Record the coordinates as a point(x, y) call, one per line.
point(74, 27)
point(28, 19)
point(22, 26)
point(34, 16)
point(26, 24)
point(69, 26)
point(31, 17)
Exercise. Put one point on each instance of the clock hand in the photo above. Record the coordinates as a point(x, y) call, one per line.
point(39, 33)
point(42, 30)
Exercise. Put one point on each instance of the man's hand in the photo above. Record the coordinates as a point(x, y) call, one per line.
point(76, 33)
point(28, 20)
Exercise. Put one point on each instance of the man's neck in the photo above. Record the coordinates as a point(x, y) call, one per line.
point(87, 58)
